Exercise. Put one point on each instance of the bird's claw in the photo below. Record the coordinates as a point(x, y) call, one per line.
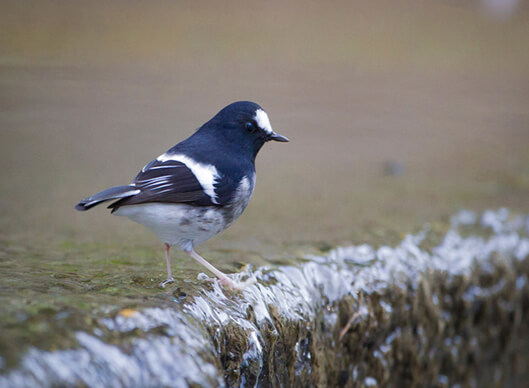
point(166, 282)
point(228, 283)
point(231, 285)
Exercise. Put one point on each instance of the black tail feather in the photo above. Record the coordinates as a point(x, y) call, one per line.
point(117, 192)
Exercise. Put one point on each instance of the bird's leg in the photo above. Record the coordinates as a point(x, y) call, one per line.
point(170, 278)
point(224, 280)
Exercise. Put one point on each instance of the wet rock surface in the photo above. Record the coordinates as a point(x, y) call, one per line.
point(438, 309)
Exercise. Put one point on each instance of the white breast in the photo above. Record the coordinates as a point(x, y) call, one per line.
point(240, 200)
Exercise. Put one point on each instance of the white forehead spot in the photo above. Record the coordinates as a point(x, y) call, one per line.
point(206, 174)
point(262, 120)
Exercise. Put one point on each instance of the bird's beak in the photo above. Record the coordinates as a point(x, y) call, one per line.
point(277, 137)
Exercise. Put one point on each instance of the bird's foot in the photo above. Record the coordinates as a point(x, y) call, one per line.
point(231, 285)
point(166, 282)
point(226, 282)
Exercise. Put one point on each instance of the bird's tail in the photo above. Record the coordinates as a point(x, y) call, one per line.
point(106, 195)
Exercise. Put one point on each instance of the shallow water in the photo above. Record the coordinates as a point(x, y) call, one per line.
point(293, 326)
point(68, 131)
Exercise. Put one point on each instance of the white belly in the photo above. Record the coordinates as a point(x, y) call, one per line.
point(188, 226)
point(177, 224)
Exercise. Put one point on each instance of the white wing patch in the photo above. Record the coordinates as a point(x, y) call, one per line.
point(155, 181)
point(262, 120)
point(206, 174)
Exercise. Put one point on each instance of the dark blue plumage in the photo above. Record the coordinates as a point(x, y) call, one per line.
point(200, 186)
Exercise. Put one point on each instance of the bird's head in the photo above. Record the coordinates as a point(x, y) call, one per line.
point(245, 126)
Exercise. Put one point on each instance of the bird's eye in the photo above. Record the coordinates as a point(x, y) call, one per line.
point(250, 127)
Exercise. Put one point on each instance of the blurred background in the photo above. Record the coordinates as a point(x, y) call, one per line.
point(399, 113)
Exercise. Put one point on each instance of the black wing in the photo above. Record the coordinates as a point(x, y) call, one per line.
point(166, 181)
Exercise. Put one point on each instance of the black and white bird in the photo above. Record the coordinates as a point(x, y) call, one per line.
point(199, 187)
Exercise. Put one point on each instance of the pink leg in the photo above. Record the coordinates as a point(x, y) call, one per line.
point(224, 280)
point(170, 278)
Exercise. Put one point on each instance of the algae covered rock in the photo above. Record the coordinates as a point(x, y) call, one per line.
point(440, 308)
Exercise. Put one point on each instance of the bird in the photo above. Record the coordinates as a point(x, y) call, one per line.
point(199, 187)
